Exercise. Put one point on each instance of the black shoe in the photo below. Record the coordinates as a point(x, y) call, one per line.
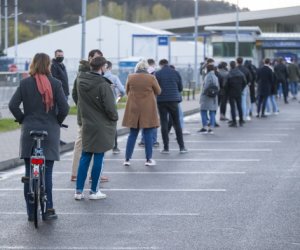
point(183, 151)
point(156, 144)
point(116, 150)
point(257, 116)
point(232, 125)
point(141, 144)
point(230, 121)
point(25, 179)
point(202, 131)
point(223, 119)
point(242, 122)
point(62, 143)
point(30, 218)
point(286, 102)
point(50, 214)
point(165, 151)
point(217, 125)
point(263, 116)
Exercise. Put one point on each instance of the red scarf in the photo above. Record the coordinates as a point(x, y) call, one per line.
point(45, 89)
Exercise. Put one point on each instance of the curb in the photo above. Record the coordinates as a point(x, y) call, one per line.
point(15, 162)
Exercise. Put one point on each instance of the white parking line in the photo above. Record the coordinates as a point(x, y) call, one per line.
point(221, 149)
point(111, 214)
point(167, 173)
point(76, 248)
point(128, 190)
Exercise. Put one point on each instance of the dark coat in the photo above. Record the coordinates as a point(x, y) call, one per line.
point(98, 112)
point(35, 117)
point(235, 83)
point(58, 71)
point(170, 83)
point(246, 72)
point(265, 81)
point(141, 107)
point(281, 73)
point(84, 66)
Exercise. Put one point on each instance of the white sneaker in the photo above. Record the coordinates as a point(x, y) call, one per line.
point(126, 163)
point(248, 118)
point(150, 163)
point(97, 196)
point(186, 132)
point(276, 113)
point(78, 196)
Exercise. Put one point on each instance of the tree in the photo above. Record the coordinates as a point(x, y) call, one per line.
point(160, 12)
point(142, 14)
point(92, 10)
point(114, 10)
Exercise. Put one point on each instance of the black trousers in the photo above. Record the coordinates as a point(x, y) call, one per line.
point(236, 101)
point(261, 104)
point(171, 109)
point(285, 90)
point(223, 104)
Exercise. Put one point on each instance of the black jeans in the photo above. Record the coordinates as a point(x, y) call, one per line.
point(285, 90)
point(261, 104)
point(48, 185)
point(171, 109)
point(236, 100)
point(223, 104)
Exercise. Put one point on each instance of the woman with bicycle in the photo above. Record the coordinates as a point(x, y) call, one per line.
point(44, 108)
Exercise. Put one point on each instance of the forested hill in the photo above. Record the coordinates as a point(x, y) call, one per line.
point(57, 11)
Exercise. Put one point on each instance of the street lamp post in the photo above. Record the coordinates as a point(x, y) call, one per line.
point(118, 33)
point(16, 31)
point(237, 30)
point(100, 24)
point(6, 26)
point(83, 25)
point(196, 43)
point(0, 24)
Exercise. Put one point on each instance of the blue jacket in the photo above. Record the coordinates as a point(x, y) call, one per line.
point(170, 83)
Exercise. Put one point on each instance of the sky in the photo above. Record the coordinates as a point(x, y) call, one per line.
point(264, 4)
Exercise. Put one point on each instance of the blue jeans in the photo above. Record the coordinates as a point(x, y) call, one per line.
point(272, 101)
point(212, 118)
point(280, 90)
point(245, 106)
point(294, 88)
point(148, 136)
point(154, 136)
point(48, 185)
point(83, 168)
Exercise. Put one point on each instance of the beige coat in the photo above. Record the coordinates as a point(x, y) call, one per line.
point(141, 106)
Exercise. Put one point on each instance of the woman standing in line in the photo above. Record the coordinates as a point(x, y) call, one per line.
point(141, 110)
point(209, 104)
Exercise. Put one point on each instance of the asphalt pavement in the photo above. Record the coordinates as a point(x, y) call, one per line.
point(236, 189)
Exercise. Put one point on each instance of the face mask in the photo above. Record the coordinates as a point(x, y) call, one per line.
point(60, 59)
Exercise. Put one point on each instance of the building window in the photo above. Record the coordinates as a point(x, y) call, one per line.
point(227, 49)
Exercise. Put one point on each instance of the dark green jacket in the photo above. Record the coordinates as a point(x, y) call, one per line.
point(97, 111)
point(294, 72)
point(84, 66)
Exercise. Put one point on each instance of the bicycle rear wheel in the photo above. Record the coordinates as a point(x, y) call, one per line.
point(36, 203)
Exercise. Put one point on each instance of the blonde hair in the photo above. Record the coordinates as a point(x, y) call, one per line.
point(141, 65)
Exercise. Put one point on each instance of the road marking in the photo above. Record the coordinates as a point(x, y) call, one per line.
point(229, 141)
point(77, 248)
point(193, 160)
point(272, 129)
point(168, 173)
point(221, 149)
point(129, 190)
point(111, 214)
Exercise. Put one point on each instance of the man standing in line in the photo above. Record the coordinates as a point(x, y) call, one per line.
point(281, 74)
point(119, 92)
point(58, 70)
point(236, 82)
point(294, 77)
point(171, 86)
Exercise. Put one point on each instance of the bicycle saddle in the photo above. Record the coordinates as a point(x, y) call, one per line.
point(38, 133)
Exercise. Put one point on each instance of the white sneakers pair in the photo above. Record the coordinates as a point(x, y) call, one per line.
point(151, 162)
point(92, 196)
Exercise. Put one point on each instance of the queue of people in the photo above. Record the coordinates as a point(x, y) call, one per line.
point(153, 101)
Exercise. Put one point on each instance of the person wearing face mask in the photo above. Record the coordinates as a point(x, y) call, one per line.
point(58, 71)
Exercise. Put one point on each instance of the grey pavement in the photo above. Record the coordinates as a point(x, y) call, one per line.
point(9, 147)
point(236, 189)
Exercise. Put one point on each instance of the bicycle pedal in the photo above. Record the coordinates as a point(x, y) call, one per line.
point(25, 179)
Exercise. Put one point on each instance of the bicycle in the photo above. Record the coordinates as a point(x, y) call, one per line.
point(37, 190)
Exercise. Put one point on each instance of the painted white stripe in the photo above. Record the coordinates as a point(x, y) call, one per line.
point(182, 160)
point(128, 190)
point(230, 141)
point(111, 214)
point(167, 173)
point(77, 248)
point(269, 129)
point(220, 149)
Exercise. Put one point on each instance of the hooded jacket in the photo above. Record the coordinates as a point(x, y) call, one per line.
point(235, 83)
point(98, 112)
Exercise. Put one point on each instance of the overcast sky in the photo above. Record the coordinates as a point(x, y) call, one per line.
point(265, 4)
